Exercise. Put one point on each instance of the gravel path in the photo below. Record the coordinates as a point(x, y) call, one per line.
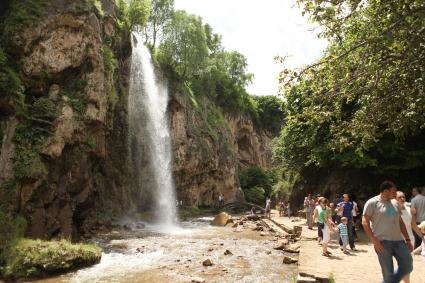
point(359, 266)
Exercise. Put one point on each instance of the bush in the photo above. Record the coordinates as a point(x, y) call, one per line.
point(29, 258)
point(255, 195)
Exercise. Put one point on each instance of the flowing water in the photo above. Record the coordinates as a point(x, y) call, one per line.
point(149, 138)
point(142, 255)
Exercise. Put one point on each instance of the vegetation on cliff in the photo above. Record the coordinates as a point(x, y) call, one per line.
point(361, 105)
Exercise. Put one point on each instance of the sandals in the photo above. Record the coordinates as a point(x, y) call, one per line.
point(325, 254)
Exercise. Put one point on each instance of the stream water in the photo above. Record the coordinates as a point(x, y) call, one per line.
point(140, 255)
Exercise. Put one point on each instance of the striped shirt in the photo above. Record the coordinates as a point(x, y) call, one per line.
point(343, 229)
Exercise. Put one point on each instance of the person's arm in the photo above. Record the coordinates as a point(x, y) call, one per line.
point(414, 225)
point(379, 248)
point(405, 235)
point(315, 215)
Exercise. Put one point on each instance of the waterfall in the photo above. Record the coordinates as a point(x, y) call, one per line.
point(149, 137)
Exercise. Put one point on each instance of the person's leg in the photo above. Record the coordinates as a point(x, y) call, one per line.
point(319, 233)
point(326, 238)
point(308, 215)
point(386, 262)
point(418, 240)
point(404, 260)
point(350, 234)
point(344, 239)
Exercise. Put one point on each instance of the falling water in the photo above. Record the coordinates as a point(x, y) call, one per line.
point(150, 142)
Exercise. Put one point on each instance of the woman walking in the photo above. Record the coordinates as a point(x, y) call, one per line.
point(407, 219)
point(321, 216)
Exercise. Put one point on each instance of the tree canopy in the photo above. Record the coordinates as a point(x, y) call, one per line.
point(362, 104)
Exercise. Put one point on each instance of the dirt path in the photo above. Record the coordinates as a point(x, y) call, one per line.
point(359, 266)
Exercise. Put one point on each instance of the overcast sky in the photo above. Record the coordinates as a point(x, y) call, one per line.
point(260, 30)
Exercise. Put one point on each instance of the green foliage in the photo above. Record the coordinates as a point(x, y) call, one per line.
point(271, 113)
point(138, 13)
point(10, 228)
point(160, 15)
point(10, 84)
point(286, 183)
point(255, 195)
point(91, 142)
point(361, 105)
point(110, 64)
point(22, 14)
point(29, 258)
point(255, 181)
point(183, 48)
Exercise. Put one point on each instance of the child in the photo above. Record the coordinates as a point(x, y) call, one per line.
point(421, 249)
point(343, 234)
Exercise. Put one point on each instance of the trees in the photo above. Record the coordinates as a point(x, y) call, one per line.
point(161, 14)
point(361, 105)
point(184, 48)
point(138, 13)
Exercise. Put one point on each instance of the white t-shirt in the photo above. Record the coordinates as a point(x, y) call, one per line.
point(354, 209)
point(407, 220)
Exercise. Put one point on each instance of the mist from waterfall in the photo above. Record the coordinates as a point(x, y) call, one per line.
point(149, 138)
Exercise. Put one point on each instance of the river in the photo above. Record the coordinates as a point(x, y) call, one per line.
point(141, 254)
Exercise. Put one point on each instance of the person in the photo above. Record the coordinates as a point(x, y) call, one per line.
point(220, 199)
point(343, 234)
point(334, 216)
point(308, 208)
point(383, 224)
point(345, 208)
point(355, 215)
point(407, 220)
point(268, 208)
point(319, 226)
point(321, 217)
point(421, 250)
point(281, 207)
point(288, 209)
point(253, 211)
point(417, 210)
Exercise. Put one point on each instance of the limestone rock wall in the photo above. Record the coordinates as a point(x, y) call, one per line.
point(76, 176)
point(209, 149)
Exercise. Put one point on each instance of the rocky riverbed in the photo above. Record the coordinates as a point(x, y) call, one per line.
point(242, 251)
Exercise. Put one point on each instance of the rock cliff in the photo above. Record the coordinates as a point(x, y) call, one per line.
point(209, 148)
point(62, 152)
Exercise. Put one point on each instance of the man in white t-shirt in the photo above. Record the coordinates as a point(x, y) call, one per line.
point(417, 210)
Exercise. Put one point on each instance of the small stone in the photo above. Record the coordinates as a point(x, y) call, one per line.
point(227, 252)
point(263, 234)
point(280, 245)
point(210, 249)
point(207, 262)
point(289, 260)
point(235, 225)
point(197, 280)
point(268, 252)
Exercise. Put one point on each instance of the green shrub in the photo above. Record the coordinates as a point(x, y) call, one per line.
point(27, 258)
point(255, 195)
point(22, 14)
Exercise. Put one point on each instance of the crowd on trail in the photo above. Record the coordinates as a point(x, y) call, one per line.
point(395, 227)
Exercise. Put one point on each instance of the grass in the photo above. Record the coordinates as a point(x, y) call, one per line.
point(32, 258)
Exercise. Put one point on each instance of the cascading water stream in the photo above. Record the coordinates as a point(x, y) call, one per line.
point(150, 141)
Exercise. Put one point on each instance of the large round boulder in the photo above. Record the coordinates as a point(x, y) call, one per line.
point(221, 219)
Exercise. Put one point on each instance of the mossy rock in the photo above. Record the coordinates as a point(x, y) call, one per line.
point(37, 258)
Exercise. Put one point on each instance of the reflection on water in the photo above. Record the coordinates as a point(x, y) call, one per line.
point(150, 255)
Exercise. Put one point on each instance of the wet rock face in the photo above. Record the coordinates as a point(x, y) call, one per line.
point(83, 180)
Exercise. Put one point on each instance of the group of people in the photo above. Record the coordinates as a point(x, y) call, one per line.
point(395, 227)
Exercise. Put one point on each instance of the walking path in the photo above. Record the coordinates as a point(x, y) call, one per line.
point(359, 266)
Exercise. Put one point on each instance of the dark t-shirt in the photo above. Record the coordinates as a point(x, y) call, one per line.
point(348, 209)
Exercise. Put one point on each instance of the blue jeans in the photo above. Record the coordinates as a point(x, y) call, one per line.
point(399, 250)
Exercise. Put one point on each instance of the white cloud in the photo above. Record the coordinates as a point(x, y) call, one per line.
point(260, 30)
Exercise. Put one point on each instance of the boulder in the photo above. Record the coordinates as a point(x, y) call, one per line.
point(221, 219)
point(289, 260)
point(294, 248)
point(280, 245)
point(207, 262)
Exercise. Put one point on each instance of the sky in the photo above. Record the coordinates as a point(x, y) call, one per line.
point(260, 30)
